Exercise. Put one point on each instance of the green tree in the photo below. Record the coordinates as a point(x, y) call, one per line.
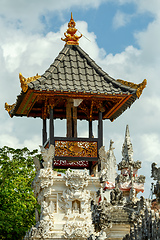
point(17, 201)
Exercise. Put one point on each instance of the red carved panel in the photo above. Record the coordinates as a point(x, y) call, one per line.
point(64, 163)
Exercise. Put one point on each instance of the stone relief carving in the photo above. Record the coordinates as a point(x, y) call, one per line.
point(75, 200)
point(75, 229)
point(76, 180)
point(43, 230)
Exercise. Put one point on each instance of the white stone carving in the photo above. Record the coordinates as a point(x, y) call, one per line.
point(48, 155)
point(108, 164)
point(127, 149)
point(128, 179)
point(75, 200)
point(65, 202)
point(77, 229)
point(76, 180)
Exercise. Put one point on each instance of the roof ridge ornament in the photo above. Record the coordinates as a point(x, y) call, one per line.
point(24, 81)
point(9, 108)
point(139, 86)
point(70, 37)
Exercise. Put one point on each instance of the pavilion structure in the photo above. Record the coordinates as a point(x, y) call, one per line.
point(74, 88)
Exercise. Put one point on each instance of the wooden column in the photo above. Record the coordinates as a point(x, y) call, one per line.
point(100, 130)
point(44, 132)
point(100, 135)
point(71, 116)
point(51, 127)
point(90, 129)
point(74, 132)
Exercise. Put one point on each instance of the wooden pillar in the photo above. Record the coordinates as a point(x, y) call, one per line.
point(100, 130)
point(44, 132)
point(69, 118)
point(90, 129)
point(74, 132)
point(100, 135)
point(51, 127)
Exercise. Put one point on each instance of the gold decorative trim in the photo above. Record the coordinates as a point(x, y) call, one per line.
point(8, 107)
point(139, 87)
point(70, 37)
point(24, 81)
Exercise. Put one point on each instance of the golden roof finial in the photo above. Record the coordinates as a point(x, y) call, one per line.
point(24, 81)
point(9, 107)
point(70, 37)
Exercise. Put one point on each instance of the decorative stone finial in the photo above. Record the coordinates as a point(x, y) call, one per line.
point(70, 37)
point(127, 149)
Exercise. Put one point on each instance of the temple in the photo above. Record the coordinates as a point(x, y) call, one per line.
point(89, 201)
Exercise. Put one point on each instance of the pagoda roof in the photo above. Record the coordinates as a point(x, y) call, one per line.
point(73, 74)
point(74, 71)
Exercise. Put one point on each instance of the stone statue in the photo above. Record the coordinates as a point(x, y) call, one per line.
point(116, 196)
point(48, 155)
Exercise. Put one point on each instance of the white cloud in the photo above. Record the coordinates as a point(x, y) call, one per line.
point(27, 15)
point(150, 147)
point(121, 19)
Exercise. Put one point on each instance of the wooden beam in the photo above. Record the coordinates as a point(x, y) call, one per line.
point(116, 106)
point(91, 111)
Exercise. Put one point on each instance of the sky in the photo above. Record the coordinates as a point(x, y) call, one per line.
point(122, 36)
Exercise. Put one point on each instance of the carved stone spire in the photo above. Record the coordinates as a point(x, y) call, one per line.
point(128, 179)
point(127, 149)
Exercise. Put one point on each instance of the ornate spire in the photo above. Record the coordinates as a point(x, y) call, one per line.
point(128, 179)
point(70, 37)
point(127, 149)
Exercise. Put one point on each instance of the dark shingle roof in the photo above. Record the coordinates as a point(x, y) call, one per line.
point(74, 71)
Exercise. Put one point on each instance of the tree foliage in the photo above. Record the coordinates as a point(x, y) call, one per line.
point(17, 201)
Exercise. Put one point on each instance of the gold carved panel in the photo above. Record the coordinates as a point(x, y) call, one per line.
point(75, 149)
